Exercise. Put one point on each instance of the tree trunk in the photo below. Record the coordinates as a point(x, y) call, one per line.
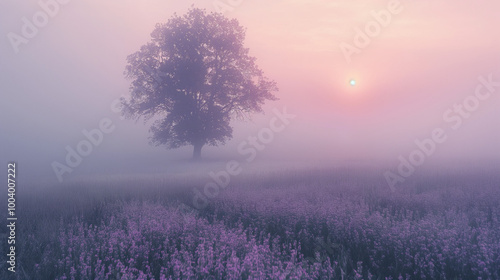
point(197, 151)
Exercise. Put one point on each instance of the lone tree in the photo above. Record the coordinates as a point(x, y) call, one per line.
point(192, 78)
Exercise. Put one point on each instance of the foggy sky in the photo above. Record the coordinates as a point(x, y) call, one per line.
point(426, 60)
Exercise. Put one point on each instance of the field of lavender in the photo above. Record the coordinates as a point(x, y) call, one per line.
point(335, 224)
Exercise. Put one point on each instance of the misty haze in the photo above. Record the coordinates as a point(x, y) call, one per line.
point(234, 139)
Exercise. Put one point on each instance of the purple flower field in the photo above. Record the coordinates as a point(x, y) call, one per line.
point(339, 224)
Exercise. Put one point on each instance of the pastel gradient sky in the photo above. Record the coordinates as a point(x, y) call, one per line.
point(427, 59)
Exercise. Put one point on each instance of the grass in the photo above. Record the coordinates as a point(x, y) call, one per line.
point(312, 224)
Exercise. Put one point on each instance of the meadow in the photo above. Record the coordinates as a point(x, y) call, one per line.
point(298, 224)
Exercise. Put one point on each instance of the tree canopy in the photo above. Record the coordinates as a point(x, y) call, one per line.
point(193, 77)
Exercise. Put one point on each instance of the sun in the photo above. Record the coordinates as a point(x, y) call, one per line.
point(352, 82)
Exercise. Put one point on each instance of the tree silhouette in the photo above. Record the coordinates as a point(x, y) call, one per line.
point(192, 78)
